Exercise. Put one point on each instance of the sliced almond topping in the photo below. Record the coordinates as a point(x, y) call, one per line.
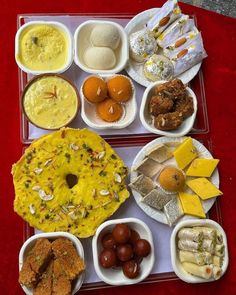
point(163, 122)
point(49, 161)
point(119, 92)
point(111, 110)
point(36, 188)
point(94, 193)
point(44, 196)
point(38, 171)
point(72, 215)
point(116, 196)
point(99, 90)
point(32, 209)
point(104, 192)
point(117, 177)
point(106, 203)
point(100, 155)
point(74, 147)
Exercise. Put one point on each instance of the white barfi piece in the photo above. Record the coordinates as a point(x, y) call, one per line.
point(160, 153)
point(142, 184)
point(157, 199)
point(173, 211)
point(202, 271)
point(149, 167)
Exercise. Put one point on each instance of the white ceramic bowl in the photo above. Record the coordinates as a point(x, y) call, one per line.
point(58, 26)
point(88, 110)
point(147, 121)
point(27, 246)
point(176, 264)
point(82, 42)
point(115, 276)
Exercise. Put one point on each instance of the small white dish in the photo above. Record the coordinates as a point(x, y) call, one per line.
point(115, 276)
point(147, 120)
point(82, 42)
point(27, 246)
point(58, 26)
point(88, 110)
point(176, 264)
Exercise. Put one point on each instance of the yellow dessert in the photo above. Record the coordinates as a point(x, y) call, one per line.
point(50, 101)
point(191, 205)
point(95, 89)
point(43, 47)
point(204, 188)
point(69, 180)
point(120, 88)
point(202, 167)
point(185, 153)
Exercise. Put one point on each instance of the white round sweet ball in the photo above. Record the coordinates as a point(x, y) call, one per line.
point(105, 35)
point(100, 58)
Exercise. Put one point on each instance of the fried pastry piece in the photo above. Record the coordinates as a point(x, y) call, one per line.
point(44, 286)
point(185, 106)
point(64, 250)
point(35, 263)
point(173, 89)
point(169, 121)
point(160, 105)
point(61, 284)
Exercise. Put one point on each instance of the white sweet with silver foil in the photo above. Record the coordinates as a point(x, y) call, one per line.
point(158, 67)
point(195, 54)
point(171, 49)
point(169, 9)
point(142, 45)
point(173, 211)
point(181, 26)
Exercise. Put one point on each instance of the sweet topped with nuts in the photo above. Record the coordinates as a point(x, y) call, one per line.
point(70, 180)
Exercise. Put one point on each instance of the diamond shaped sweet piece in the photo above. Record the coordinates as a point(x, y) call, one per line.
point(142, 184)
point(157, 199)
point(160, 153)
point(191, 205)
point(149, 167)
point(185, 153)
point(173, 211)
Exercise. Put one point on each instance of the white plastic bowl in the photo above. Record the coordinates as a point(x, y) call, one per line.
point(27, 246)
point(146, 118)
point(88, 110)
point(82, 42)
point(115, 276)
point(58, 26)
point(176, 264)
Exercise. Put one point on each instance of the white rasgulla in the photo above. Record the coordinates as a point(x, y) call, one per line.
point(105, 35)
point(99, 58)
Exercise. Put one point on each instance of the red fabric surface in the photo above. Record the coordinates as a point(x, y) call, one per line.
point(219, 70)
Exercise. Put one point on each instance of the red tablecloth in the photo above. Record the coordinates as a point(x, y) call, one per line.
point(219, 34)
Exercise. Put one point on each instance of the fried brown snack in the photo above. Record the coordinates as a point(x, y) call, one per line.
point(35, 263)
point(61, 284)
point(160, 105)
point(169, 121)
point(64, 250)
point(44, 286)
point(173, 89)
point(185, 106)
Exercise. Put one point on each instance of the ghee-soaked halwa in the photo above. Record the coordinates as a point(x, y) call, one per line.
point(69, 180)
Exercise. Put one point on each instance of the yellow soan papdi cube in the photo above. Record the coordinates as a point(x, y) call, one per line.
point(191, 205)
point(185, 153)
point(202, 167)
point(204, 188)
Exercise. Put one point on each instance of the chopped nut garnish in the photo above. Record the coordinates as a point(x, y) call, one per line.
point(100, 155)
point(36, 188)
point(49, 161)
point(117, 177)
point(74, 147)
point(38, 171)
point(104, 192)
point(44, 196)
point(32, 209)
